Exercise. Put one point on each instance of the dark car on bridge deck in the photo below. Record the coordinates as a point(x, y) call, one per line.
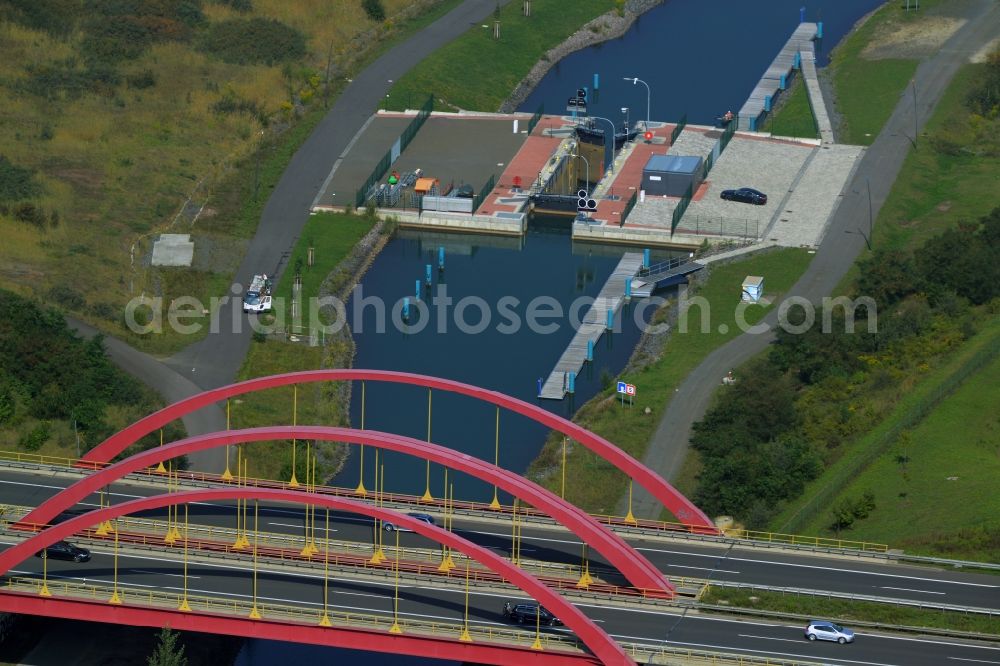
point(64, 550)
point(522, 613)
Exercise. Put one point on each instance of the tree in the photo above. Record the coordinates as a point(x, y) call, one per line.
point(168, 653)
point(374, 9)
point(888, 276)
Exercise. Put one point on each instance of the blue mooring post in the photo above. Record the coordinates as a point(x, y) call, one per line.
point(611, 319)
point(645, 258)
point(628, 287)
point(427, 273)
point(767, 103)
point(406, 307)
point(802, 14)
point(440, 258)
point(596, 81)
point(798, 60)
point(783, 83)
point(753, 123)
point(539, 386)
point(819, 30)
point(417, 291)
point(571, 383)
point(590, 350)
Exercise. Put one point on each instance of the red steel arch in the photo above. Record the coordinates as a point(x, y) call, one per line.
point(679, 505)
point(639, 571)
point(595, 638)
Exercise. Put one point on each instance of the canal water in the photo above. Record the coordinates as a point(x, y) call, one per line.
point(699, 58)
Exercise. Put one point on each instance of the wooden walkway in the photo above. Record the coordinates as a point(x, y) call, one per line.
point(592, 328)
point(770, 83)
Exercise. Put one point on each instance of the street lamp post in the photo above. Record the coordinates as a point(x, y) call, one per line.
point(635, 81)
point(611, 162)
point(587, 162)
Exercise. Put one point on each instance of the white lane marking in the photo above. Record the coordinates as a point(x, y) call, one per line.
point(770, 638)
point(299, 526)
point(909, 589)
point(822, 568)
point(528, 538)
point(684, 566)
point(158, 573)
point(980, 661)
point(35, 574)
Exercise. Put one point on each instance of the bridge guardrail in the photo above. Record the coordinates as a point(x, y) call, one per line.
point(672, 656)
point(283, 612)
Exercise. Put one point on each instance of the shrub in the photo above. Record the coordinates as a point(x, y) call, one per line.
point(35, 438)
point(253, 41)
point(141, 80)
point(67, 297)
point(56, 17)
point(16, 182)
point(374, 9)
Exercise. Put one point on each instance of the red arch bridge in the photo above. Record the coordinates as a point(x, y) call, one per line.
point(259, 581)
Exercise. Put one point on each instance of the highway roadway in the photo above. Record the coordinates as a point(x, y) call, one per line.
point(303, 588)
point(675, 557)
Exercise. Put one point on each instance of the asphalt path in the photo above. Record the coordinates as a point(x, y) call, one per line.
point(676, 558)
point(304, 589)
point(215, 360)
point(844, 241)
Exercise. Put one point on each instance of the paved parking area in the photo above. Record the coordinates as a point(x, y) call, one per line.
point(454, 148)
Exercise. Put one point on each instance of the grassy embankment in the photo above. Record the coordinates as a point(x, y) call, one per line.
point(948, 178)
point(596, 485)
point(846, 611)
point(477, 72)
point(793, 116)
point(117, 138)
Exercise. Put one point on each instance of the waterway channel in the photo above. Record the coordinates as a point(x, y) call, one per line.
point(699, 58)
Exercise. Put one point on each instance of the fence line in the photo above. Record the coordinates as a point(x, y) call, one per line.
point(539, 112)
point(628, 207)
point(682, 206)
point(678, 129)
point(364, 192)
point(484, 192)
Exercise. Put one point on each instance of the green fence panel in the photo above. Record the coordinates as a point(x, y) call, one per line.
point(678, 129)
point(481, 195)
point(536, 117)
point(628, 207)
point(383, 165)
point(681, 207)
point(415, 124)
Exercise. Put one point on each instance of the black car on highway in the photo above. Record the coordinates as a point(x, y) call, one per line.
point(745, 195)
point(522, 613)
point(64, 550)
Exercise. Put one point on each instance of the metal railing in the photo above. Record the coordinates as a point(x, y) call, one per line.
point(678, 128)
point(682, 206)
point(152, 598)
point(484, 192)
point(411, 130)
point(628, 207)
point(536, 117)
point(703, 225)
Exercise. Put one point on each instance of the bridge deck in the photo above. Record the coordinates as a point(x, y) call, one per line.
point(770, 82)
point(592, 327)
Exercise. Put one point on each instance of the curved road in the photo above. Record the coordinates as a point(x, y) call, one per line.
point(840, 247)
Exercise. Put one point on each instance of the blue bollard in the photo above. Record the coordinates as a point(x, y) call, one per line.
point(406, 307)
point(539, 386)
point(767, 103)
point(819, 30)
point(417, 292)
point(427, 273)
point(628, 287)
point(798, 60)
point(586, 92)
point(802, 14)
point(611, 319)
point(440, 258)
point(590, 350)
point(783, 83)
point(753, 123)
point(596, 81)
point(571, 384)
point(645, 258)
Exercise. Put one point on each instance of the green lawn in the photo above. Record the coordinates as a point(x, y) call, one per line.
point(845, 611)
point(477, 72)
point(332, 235)
point(794, 116)
point(596, 486)
point(868, 90)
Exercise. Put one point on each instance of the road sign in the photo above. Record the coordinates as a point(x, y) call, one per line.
point(630, 389)
point(622, 387)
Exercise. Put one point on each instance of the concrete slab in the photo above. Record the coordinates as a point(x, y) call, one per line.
point(173, 250)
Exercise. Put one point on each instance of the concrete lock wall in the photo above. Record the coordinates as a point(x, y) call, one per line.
point(447, 204)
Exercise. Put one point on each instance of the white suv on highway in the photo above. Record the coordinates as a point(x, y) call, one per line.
point(824, 630)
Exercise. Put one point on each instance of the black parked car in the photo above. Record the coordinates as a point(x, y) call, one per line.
point(64, 550)
point(745, 195)
point(531, 613)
